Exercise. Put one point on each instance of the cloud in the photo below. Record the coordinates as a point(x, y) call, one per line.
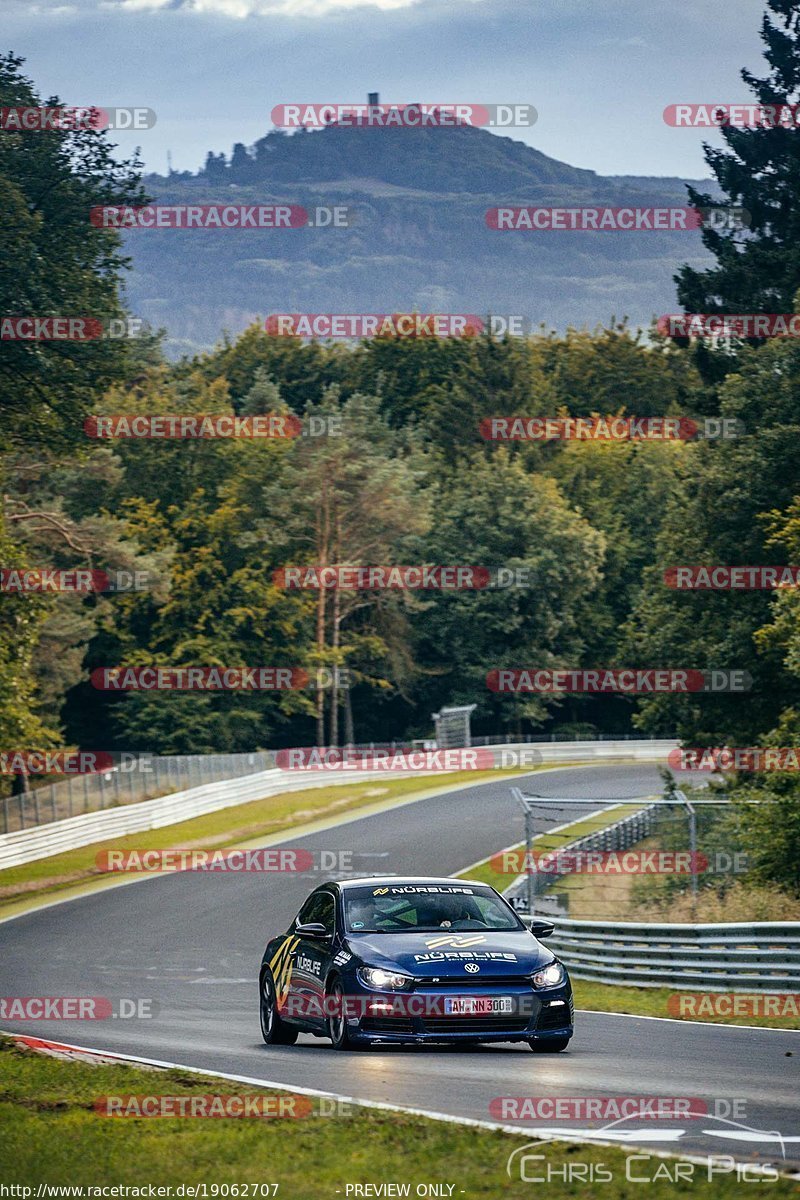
point(262, 8)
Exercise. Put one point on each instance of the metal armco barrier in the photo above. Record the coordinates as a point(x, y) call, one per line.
point(757, 956)
point(26, 845)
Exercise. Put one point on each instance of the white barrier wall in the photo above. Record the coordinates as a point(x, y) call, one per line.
point(27, 845)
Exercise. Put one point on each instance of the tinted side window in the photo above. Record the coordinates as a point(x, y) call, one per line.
point(319, 908)
point(325, 911)
point(304, 917)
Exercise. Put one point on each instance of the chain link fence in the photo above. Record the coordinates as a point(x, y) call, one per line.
point(135, 778)
point(140, 777)
point(533, 739)
point(618, 836)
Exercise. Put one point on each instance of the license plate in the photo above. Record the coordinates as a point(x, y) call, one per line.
point(477, 1006)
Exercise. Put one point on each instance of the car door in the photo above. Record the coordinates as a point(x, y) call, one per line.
point(311, 957)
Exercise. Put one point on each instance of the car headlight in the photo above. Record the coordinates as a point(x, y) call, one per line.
point(383, 981)
point(549, 977)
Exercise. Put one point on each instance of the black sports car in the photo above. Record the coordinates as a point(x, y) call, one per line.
point(370, 961)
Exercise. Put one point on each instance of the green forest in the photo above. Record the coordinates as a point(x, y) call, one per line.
point(391, 469)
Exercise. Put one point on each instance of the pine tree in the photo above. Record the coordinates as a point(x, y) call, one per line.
point(263, 397)
point(760, 170)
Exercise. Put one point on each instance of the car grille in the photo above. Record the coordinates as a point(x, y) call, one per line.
point(386, 1025)
point(484, 1024)
point(554, 1016)
point(470, 981)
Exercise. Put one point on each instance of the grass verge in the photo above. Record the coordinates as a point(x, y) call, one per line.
point(53, 1135)
point(654, 1002)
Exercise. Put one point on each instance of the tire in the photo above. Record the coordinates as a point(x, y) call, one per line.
point(274, 1031)
point(336, 1022)
point(551, 1046)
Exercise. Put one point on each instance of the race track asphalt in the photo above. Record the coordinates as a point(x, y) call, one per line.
point(192, 943)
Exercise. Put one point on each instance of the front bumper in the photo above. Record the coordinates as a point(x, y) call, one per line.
point(420, 1017)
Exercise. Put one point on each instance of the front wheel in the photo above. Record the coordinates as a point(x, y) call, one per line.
point(551, 1046)
point(337, 1020)
point(274, 1031)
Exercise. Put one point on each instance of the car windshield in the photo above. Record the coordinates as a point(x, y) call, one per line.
point(397, 908)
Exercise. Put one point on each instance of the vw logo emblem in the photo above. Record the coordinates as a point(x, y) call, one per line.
point(471, 967)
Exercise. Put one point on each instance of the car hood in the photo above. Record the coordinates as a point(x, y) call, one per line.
point(442, 954)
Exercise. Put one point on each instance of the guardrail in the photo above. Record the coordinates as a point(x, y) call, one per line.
point(761, 956)
point(137, 777)
point(26, 845)
point(29, 844)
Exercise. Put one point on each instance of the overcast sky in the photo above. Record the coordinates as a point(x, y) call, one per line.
point(599, 72)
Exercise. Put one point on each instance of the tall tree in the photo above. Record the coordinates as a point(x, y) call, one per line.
point(56, 263)
point(493, 513)
point(349, 497)
point(760, 170)
point(713, 516)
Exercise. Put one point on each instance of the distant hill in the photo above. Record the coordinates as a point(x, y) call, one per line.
point(420, 240)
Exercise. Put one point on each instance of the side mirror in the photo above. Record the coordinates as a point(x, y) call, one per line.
point(541, 929)
point(314, 930)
